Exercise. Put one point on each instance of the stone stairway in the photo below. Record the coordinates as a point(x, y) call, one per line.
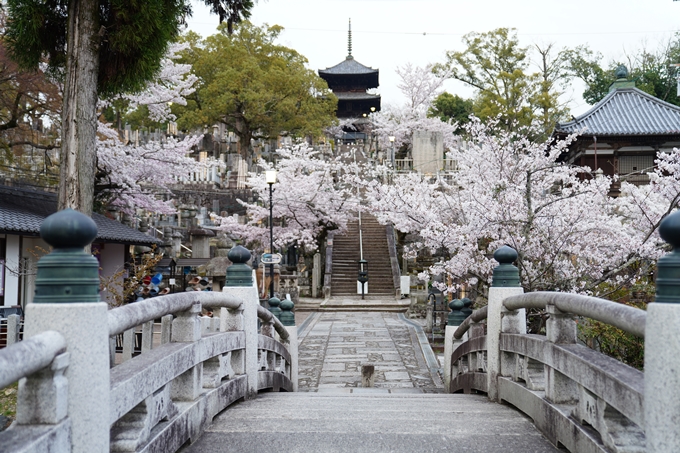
point(346, 260)
point(370, 421)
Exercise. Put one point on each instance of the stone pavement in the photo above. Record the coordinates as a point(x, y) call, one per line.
point(334, 345)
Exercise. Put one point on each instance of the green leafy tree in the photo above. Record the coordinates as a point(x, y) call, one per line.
point(256, 87)
point(509, 83)
point(497, 66)
point(98, 48)
point(653, 71)
point(451, 107)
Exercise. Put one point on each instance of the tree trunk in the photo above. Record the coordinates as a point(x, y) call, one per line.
point(245, 135)
point(79, 113)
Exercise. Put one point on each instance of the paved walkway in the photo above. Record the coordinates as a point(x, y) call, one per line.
point(335, 344)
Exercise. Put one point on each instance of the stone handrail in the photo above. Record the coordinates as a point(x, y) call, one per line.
point(476, 316)
point(267, 316)
point(626, 318)
point(42, 422)
point(629, 319)
point(209, 361)
point(85, 392)
point(567, 388)
point(128, 316)
point(29, 356)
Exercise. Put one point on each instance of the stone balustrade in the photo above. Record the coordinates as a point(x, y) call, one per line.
point(579, 398)
point(78, 394)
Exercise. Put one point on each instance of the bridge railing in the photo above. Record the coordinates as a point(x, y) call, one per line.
point(579, 398)
point(156, 400)
point(38, 363)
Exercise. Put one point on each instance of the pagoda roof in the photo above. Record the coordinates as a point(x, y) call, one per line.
point(348, 66)
point(626, 111)
point(352, 96)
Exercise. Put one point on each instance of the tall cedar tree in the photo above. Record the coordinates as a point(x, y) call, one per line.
point(98, 48)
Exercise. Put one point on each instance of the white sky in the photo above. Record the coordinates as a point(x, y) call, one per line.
point(390, 33)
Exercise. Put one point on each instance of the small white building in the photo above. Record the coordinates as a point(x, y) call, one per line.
point(22, 211)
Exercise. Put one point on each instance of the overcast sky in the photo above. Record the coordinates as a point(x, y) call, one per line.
point(390, 33)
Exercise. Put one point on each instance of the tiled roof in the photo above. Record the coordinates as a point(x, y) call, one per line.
point(348, 66)
point(23, 210)
point(627, 111)
point(351, 96)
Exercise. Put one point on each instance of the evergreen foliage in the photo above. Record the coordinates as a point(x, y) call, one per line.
point(256, 87)
point(133, 35)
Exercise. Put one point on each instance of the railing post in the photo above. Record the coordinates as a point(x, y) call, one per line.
point(505, 284)
point(662, 348)
point(560, 329)
point(13, 327)
point(455, 319)
point(67, 300)
point(288, 320)
point(186, 328)
point(241, 284)
point(514, 322)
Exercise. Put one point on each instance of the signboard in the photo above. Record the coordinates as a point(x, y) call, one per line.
point(271, 258)
point(2, 277)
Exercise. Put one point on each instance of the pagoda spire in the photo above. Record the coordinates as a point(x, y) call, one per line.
point(349, 41)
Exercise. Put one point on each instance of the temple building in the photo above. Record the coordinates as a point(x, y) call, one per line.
point(350, 81)
point(621, 134)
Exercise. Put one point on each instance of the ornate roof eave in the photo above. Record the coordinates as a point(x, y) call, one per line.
point(625, 112)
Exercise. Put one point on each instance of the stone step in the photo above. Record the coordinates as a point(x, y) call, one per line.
point(372, 421)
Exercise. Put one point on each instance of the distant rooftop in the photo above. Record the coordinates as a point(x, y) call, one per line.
point(23, 210)
point(348, 66)
point(626, 111)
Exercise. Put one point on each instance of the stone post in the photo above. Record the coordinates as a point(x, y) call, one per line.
point(200, 242)
point(67, 300)
point(13, 327)
point(505, 284)
point(316, 275)
point(455, 319)
point(287, 318)
point(511, 322)
point(662, 348)
point(560, 329)
point(186, 328)
point(241, 284)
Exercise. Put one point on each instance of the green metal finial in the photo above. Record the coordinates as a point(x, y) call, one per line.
point(460, 310)
point(239, 273)
point(69, 274)
point(287, 316)
point(274, 303)
point(621, 72)
point(505, 274)
point(668, 266)
point(456, 316)
point(467, 303)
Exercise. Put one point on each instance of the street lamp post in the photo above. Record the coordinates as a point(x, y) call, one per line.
point(270, 177)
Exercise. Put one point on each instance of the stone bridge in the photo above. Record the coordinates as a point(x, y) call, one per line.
point(77, 394)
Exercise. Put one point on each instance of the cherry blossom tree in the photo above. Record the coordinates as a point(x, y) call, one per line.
point(643, 207)
point(420, 86)
point(310, 198)
point(509, 190)
point(133, 176)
